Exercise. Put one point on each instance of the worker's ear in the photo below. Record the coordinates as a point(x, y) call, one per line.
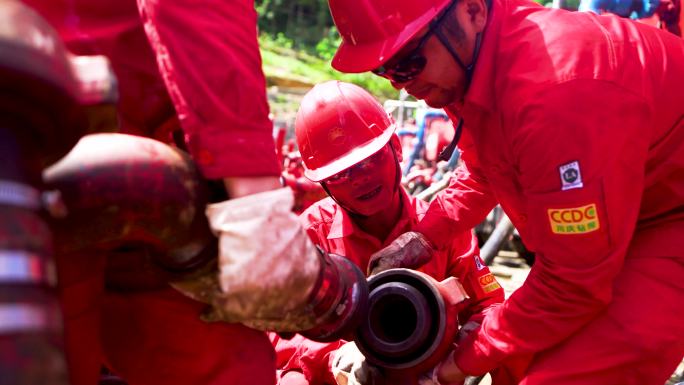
point(396, 145)
point(472, 15)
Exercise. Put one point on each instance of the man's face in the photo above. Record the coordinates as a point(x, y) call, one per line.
point(441, 82)
point(426, 69)
point(367, 187)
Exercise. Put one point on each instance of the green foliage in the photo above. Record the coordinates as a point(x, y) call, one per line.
point(298, 40)
point(303, 21)
point(377, 86)
point(282, 41)
point(307, 69)
point(572, 4)
point(328, 45)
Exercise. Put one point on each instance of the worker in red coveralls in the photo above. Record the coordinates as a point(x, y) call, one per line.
point(197, 67)
point(574, 123)
point(349, 146)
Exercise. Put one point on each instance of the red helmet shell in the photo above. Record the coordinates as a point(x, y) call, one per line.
point(338, 125)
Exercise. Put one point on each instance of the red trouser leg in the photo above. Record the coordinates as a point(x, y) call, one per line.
point(638, 340)
point(157, 338)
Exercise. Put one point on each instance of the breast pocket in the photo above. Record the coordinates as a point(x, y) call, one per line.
point(571, 225)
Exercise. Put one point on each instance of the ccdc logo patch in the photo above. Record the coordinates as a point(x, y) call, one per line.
point(574, 220)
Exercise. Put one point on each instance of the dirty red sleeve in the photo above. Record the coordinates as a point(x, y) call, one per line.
point(581, 233)
point(209, 59)
point(462, 205)
point(483, 289)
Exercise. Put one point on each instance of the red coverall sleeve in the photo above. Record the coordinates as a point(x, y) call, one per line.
point(462, 205)
point(310, 358)
point(208, 56)
point(602, 127)
point(479, 283)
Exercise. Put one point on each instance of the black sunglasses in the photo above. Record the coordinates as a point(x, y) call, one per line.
point(413, 63)
point(408, 67)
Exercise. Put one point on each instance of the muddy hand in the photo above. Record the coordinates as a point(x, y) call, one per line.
point(410, 250)
point(267, 266)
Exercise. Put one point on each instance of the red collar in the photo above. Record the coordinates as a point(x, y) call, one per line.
point(343, 226)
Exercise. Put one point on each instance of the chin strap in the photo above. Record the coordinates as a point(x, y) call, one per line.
point(448, 151)
point(468, 69)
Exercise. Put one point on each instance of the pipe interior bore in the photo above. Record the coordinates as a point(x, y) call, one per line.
point(394, 318)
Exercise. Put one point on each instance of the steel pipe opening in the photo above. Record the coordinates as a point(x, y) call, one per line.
point(399, 318)
point(406, 319)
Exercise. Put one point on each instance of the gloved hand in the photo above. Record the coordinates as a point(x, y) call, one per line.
point(267, 266)
point(410, 250)
point(465, 330)
point(445, 373)
point(349, 367)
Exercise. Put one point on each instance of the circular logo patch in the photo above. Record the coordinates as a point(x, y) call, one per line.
point(570, 175)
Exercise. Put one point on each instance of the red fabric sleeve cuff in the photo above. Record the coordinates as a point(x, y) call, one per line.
point(473, 360)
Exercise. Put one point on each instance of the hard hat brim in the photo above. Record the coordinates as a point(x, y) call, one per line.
point(351, 158)
point(357, 58)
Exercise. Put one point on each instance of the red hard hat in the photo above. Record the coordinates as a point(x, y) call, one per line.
point(338, 125)
point(374, 30)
